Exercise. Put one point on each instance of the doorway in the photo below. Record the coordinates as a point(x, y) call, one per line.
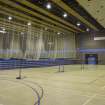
point(91, 59)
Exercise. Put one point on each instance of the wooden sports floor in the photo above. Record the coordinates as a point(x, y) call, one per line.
point(47, 86)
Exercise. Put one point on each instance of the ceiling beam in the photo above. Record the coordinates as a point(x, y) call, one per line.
point(25, 18)
point(67, 8)
point(14, 5)
point(14, 27)
point(35, 7)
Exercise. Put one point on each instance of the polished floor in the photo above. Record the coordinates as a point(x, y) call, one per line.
point(46, 86)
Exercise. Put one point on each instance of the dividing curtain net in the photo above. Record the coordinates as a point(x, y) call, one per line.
point(29, 42)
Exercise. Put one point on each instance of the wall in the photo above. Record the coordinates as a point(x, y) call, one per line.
point(87, 45)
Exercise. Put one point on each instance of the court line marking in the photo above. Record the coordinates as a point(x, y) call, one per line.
point(101, 88)
point(87, 101)
point(34, 89)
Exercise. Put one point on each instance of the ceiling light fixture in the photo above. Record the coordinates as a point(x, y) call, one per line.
point(1, 31)
point(9, 18)
point(29, 23)
point(87, 29)
point(3, 28)
point(58, 33)
point(65, 15)
point(48, 6)
point(78, 24)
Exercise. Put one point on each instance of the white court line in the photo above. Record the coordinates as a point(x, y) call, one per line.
point(102, 88)
point(89, 99)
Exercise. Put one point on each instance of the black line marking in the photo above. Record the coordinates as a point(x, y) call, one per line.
point(34, 89)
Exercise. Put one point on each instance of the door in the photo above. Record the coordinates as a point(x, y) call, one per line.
point(91, 59)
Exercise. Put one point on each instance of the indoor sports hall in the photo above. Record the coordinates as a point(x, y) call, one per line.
point(52, 52)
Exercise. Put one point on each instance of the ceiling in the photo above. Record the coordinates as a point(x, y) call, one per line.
point(96, 8)
point(35, 11)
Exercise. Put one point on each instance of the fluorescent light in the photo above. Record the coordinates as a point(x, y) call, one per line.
point(87, 29)
point(48, 6)
point(1, 31)
point(99, 38)
point(58, 33)
point(65, 15)
point(29, 23)
point(3, 28)
point(78, 24)
point(9, 18)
